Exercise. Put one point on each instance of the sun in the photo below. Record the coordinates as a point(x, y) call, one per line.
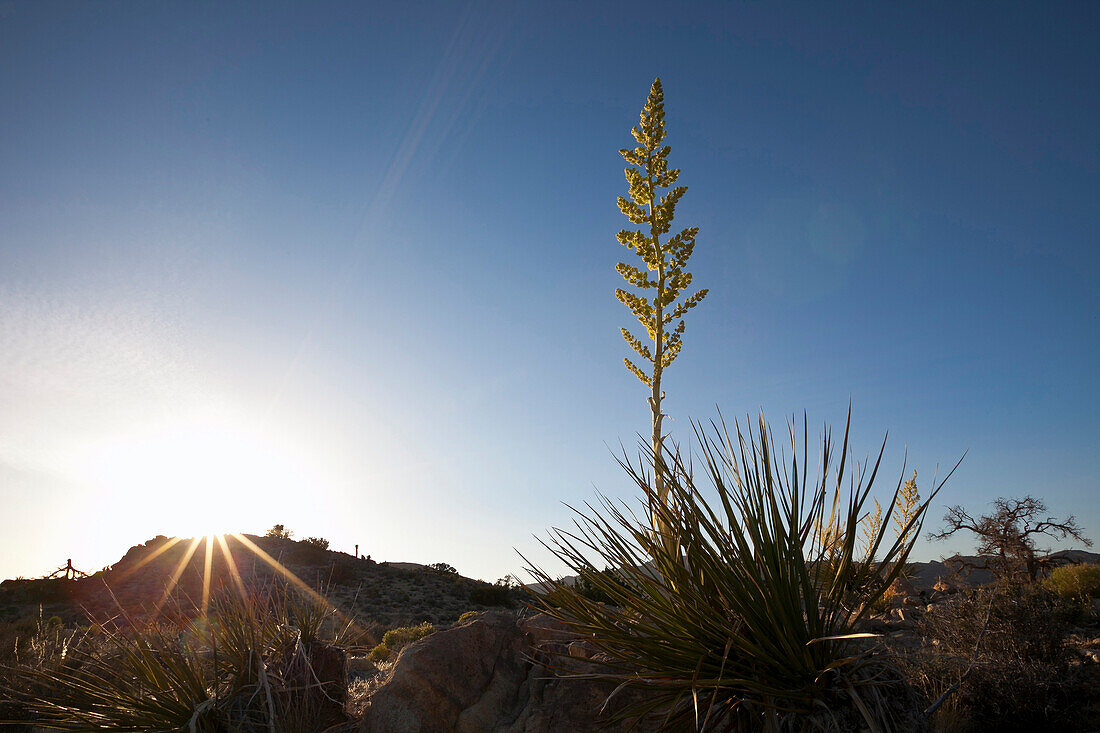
point(199, 476)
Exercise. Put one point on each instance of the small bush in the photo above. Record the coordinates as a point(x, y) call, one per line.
point(319, 542)
point(397, 638)
point(279, 532)
point(592, 591)
point(380, 653)
point(394, 640)
point(492, 595)
point(1075, 581)
point(468, 616)
point(443, 568)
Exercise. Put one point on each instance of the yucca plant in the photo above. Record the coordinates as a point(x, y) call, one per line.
point(750, 621)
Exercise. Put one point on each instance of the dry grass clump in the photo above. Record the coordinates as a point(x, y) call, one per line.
point(1007, 642)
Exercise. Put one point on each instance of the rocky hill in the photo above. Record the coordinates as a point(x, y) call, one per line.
point(172, 574)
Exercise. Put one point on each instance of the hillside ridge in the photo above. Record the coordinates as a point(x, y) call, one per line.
point(169, 575)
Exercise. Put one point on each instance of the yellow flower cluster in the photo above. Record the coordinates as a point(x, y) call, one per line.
point(642, 205)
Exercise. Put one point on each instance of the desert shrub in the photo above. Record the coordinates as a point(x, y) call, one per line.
point(468, 616)
point(380, 653)
point(397, 638)
point(491, 595)
point(730, 625)
point(311, 550)
point(592, 591)
point(1075, 581)
point(501, 593)
point(1022, 674)
point(279, 532)
point(505, 592)
point(443, 568)
point(394, 640)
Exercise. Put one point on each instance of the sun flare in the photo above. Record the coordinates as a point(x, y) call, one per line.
point(201, 476)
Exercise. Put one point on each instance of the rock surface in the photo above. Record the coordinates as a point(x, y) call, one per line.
point(491, 674)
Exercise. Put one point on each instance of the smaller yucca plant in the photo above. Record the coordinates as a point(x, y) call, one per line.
point(749, 621)
point(248, 665)
point(144, 681)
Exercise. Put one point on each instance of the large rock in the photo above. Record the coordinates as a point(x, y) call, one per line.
point(901, 592)
point(490, 675)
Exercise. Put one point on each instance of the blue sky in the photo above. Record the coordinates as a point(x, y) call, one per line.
point(350, 267)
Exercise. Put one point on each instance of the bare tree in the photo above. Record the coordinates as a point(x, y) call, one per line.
point(1007, 536)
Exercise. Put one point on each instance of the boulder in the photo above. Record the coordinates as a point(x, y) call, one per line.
point(579, 650)
point(898, 614)
point(492, 675)
point(361, 667)
point(877, 624)
point(902, 592)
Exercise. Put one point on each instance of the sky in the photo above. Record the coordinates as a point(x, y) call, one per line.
point(349, 266)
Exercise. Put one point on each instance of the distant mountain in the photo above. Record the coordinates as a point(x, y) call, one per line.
point(927, 574)
point(171, 573)
point(962, 568)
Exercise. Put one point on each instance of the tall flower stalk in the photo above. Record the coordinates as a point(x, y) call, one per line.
point(664, 271)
